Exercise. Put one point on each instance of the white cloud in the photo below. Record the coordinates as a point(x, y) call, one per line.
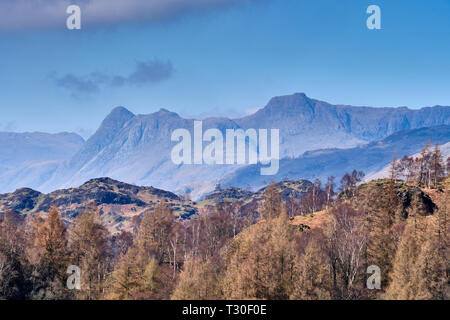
point(27, 14)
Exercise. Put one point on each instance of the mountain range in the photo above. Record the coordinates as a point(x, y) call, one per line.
point(316, 139)
point(369, 158)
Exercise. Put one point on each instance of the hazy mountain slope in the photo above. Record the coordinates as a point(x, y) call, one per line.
point(136, 148)
point(27, 158)
point(322, 163)
point(308, 124)
point(384, 173)
point(19, 148)
point(103, 137)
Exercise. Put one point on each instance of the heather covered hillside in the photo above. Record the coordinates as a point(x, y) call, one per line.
point(121, 205)
point(118, 203)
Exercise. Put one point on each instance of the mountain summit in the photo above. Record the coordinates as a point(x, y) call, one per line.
point(308, 124)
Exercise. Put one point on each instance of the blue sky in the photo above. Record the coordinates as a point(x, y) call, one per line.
point(221, 60)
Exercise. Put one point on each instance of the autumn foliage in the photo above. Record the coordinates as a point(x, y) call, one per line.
point(235, 250)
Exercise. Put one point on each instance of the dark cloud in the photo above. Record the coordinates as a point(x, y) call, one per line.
point(78, 86)
point(27, 14)
point(146, 72)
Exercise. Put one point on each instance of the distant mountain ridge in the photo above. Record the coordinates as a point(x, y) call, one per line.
point(136, 148)
point(335, 162)
point(19, 148)
point(299, 116)
point(23, 156)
